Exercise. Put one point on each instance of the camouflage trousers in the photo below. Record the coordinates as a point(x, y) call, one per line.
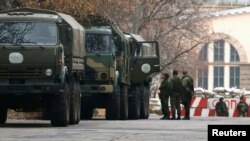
point(243, 114)
point(175, 101)
point(187, 103)
point(164, 104)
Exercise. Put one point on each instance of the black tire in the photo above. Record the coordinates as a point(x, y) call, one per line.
point(134, 103)
point(74, 95)
point(113, 105)
point(86, 109)
point(124, 103)
point(60, 108)
point(144, 108)
point(3, 114)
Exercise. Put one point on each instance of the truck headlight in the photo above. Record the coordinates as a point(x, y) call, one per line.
point(48, 72)
point(104, 75)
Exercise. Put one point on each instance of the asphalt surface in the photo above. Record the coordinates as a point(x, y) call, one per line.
point(99, 129)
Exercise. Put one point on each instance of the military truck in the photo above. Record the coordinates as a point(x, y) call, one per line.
point(144, 62)
point(109, 74)
point(106, 72)
point(41, 64)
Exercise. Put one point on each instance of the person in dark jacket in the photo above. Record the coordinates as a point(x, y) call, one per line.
point(164, 96)
point(175, 98)
point(242, 107)
point(188, 91)
point(221, 108)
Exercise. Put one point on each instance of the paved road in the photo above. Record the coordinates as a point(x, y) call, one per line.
point(99, 129)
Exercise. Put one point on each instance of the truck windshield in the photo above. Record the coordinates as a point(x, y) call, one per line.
point(39, 33)
point(97, 43)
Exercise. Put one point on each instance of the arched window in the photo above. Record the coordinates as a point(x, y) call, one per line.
point(235, 76)
point(219, 51)
point(203, 53)
point(203, 78)
point(218, 76)
point(234, 56)
point(223, 69)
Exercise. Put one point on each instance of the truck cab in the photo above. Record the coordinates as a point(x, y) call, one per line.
point(144, 62)
point(41, 63)
point(106, 75)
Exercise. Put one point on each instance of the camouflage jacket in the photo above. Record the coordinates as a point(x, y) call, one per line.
point(242, 107)
point(176, 85)
point(165, 88)
point(187, 85)
point(221, 107)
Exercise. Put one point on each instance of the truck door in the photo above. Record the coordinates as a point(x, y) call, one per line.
point(145, 60)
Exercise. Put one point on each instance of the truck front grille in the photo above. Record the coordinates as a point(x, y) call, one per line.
point(28, 73)
point(90, 74)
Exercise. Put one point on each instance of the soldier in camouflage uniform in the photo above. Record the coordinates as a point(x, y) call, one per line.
point(221, 108)
point(188, 90)
point(164, 96)
point(242, 107)
point(175, 98)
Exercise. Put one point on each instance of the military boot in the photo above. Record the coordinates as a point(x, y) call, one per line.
point(173, 115)
point(163, 117)
point(179, 116)
point(187, 117)
point(168, 115)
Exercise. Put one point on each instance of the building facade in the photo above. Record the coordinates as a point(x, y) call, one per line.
point(226, 59)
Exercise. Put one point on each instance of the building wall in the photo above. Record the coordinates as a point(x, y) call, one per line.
point(245, 76)
point(237, 30)
point(233, 29)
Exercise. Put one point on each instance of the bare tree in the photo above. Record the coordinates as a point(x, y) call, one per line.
point(7, 4)
point(79, 9)
point(176, 24)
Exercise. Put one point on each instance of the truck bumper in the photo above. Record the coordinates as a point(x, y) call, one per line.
point(28, 88)
point(97, 89)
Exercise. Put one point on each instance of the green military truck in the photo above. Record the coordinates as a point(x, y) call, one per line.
point(117, 68)
point(144, 61)
point(41, 64)
point(106, 72)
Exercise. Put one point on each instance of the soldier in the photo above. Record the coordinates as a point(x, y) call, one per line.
point(242, 107)
point(164, 96)
point(175, 98)
point(188, 91)
point(221, 108)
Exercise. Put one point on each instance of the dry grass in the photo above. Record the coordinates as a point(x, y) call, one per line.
point(38, 115)
point(23, 115)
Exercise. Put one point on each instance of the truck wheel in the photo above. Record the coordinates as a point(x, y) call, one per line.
point(86, 108)
point(3, 114)
point(60, 108)
point(144, 108)
point(124, 103)
point(113, 105)
point(73, 102)
point(134, 103)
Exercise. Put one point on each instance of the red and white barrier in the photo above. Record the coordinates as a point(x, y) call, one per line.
point(199, 102)
point(205, 107)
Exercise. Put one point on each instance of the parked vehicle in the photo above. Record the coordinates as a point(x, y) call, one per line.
point(118, 66)
point(41, 64)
